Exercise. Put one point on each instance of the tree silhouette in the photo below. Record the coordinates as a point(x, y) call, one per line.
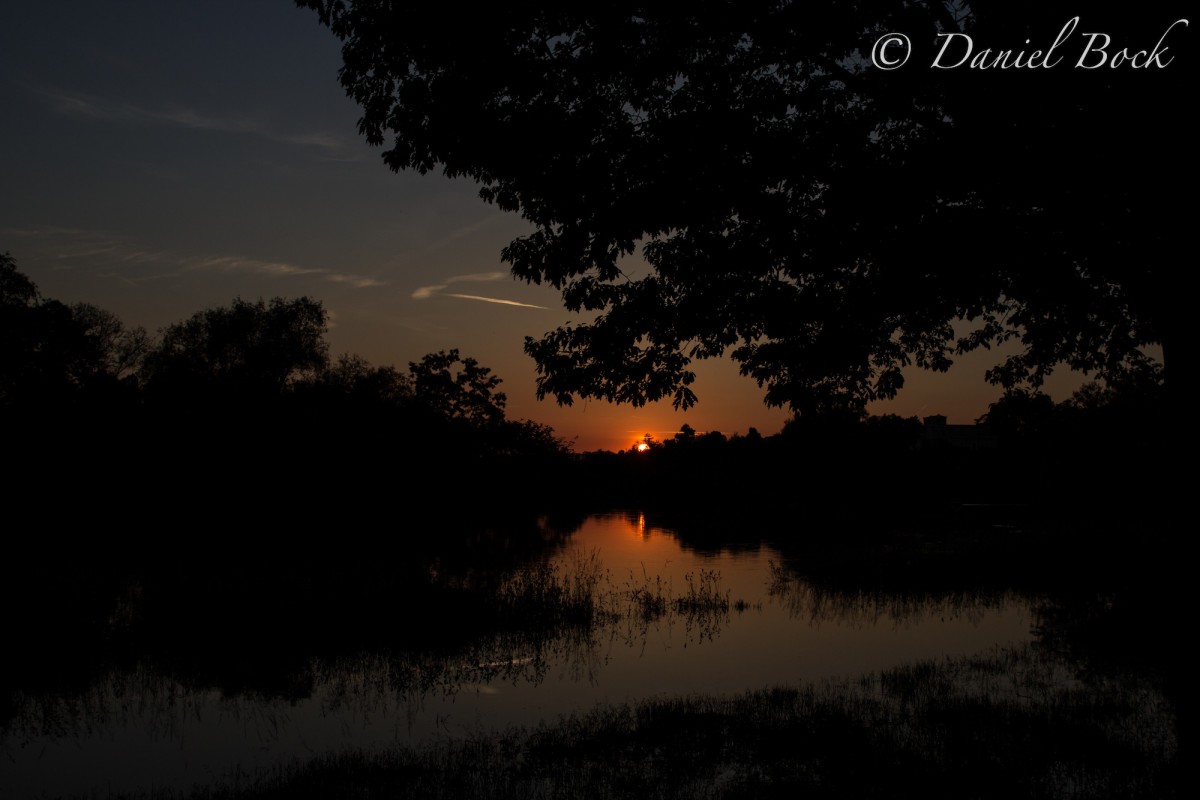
point(52, 353)
point(353, 381)
point(16, 289)
point(825, 222)
point(245, 351)
point(121, 350)
point(467, 393)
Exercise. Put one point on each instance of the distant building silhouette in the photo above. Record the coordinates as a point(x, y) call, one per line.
point(970, 437)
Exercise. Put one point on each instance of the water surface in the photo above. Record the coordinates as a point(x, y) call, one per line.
point(670, 620)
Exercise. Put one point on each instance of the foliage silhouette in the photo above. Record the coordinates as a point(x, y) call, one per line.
point(121, 350)
point(53, 354)
point(16, 289)
point(824, 222)
point(241, 406)
point(244, 351)
point(459, 398)
point(467, 393)
point(352, 382)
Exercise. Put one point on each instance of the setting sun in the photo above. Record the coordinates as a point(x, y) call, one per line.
point(641, 447)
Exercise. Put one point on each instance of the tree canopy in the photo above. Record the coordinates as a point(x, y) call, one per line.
point(740, 178)
point(468, 394)
point(53, 354)
point(241, 351)
point(251, 384)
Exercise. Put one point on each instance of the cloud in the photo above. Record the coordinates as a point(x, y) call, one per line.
point(66, 245)
point(277, 269)
point(357, 281)
point(227, 263)
point(425, 292)
point(182, 117)
point(458, 233)
point(476, 277)
point(494, 300)
point(281, 269)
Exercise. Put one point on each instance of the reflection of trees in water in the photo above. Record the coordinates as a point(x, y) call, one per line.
point(249, 618)
point(714, 537)
point(547, 612)
point(568, 613)
point(550, 612)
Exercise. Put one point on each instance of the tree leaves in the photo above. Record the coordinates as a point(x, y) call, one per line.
point(822, 221)
point(241, 351)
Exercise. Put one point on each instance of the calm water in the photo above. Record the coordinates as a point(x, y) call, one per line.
point(139, 729)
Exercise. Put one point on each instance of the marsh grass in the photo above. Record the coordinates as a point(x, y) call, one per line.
point(651, 599)
point(556, 594)
point(703, 606)
point(1011, 723)
point(867, 607)
point(703, 595)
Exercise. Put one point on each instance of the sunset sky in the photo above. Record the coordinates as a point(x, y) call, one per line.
point(158, 158)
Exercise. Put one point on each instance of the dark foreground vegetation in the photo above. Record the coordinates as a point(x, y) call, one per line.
point(1007, 724)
